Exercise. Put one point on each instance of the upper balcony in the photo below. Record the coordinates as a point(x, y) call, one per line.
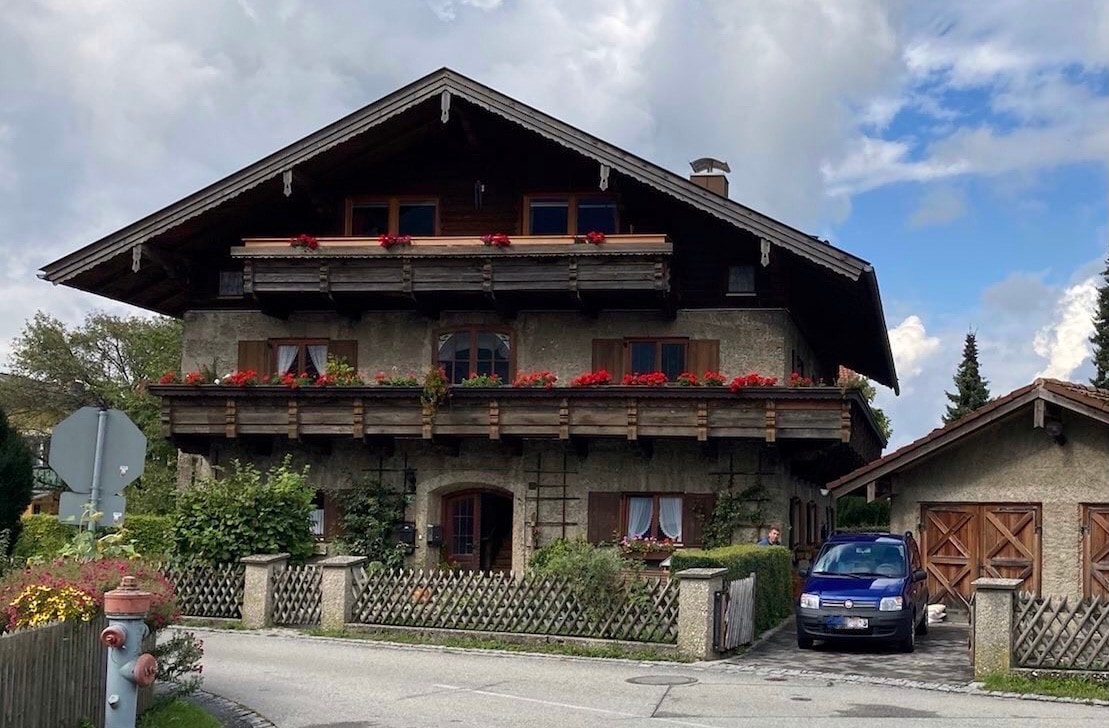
point(629, 270)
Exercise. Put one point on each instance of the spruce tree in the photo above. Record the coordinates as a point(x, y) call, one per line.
point(16, 479)
point(1100, 339)
point(971, 390)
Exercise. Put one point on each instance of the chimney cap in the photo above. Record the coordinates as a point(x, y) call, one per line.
point(709, 165)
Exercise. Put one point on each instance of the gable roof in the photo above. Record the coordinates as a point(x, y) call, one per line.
point(1078, 398)
point(445, 83)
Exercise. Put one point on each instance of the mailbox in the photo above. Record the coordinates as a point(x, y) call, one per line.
point(404, 534)
point(434, 535)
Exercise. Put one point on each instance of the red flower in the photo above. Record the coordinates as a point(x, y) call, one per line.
point(592, 379)
point(497, 240)
point(752, 380)
point(543, 379)
point(168, 378)
point(713, 379)
point(194, 379)
point(653, 379)
point(595, 238)
point(304, 240)
point(241, 378)
point(687, 379)
point(325, 380)
point(796, 380)
point(389, 240)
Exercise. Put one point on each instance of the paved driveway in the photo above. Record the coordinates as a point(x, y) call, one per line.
point(941, 656)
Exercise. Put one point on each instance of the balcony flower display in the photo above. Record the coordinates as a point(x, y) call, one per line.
point(195, 379)
point(543, 379)
point(411, 379)
point(168, 378)
point(713, 379)
point(339, 373)
point(390, 241)
point(292, 381)
point(647, 546)
point(497, 240)
point(239, 378)
point(652, 379)
point(592, 237)
point(796, 380)
point(688, 379)
point(592, 379)
point(306, 241)
point(752, 380)
point(482, 380)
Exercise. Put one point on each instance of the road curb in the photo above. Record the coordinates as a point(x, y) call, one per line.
point(229, 713)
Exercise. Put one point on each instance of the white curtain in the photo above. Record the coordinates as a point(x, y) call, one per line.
point(318, 354)
point(639, 517)
point(316, 521)
point(670, 517)
point(286, 355)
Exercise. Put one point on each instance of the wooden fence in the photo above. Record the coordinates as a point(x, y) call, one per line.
point(1053, 633)
point(297, 598)
point(208, 591)
point(643, 610)
point(734, 623)
point(54, 676)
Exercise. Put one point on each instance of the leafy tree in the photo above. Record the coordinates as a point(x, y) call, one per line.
point(850, 380)
point(1100, 339)
point(367, 513)
point(106, 360)
point(16, 482)
point(971, 390)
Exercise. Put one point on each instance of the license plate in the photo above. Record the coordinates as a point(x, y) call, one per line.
point(847, 622)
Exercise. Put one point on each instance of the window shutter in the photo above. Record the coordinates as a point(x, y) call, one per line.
point(696, 511)
point(255, 355)
point(608, 354)
point(330, 515)
point(604, 516)
point(704, 356)
point(345, 350)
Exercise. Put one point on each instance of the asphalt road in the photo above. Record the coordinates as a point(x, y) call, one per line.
point(300, 682)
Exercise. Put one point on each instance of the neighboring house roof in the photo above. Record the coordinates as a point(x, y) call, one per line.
point(1079, 398)
point(445, 83)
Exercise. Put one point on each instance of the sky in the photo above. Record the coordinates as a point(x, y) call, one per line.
point(960, 147)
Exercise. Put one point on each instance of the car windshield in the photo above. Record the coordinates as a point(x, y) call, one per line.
point(862, 559)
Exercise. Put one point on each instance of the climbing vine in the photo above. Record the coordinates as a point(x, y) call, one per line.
point(734, 508)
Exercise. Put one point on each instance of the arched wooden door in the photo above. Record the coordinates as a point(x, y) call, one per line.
point(477, 530)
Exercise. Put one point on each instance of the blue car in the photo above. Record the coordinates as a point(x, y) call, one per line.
point(865, 586)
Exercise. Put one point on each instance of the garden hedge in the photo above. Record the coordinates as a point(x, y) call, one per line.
point(153, 535)
point(42, 536)
point(773, 575)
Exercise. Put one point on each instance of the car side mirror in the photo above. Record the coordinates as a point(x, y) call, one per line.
point(920, 575)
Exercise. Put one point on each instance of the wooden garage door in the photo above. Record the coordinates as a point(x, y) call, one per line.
point(963, 541)
point(1095, 550)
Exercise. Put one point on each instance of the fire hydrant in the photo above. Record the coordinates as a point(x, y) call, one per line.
point(126, 609)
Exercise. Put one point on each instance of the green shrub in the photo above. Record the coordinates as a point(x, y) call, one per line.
point(598, 576)
point(43, 537)
point(152, 535)
point(853, 511)
point(367, 513)
point(773, 576)
point(244, 513)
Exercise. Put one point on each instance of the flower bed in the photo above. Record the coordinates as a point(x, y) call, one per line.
point(653, 379)
point(544, 379)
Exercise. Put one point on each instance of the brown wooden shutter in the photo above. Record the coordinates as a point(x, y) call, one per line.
point(604, 517)
point(608, 354)
point(344, 350)
point(331, 526)
point(696, 511)
point(704, 356)
point(255, 355)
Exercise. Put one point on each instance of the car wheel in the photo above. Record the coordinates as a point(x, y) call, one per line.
point(804, 643)
point(922, 627)
point(909, 643)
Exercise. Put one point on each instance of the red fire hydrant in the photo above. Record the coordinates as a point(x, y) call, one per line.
point(126, 609)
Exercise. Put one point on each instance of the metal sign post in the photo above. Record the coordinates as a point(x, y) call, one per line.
point(97, 461)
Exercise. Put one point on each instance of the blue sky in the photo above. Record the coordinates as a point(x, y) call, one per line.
point(960, 147)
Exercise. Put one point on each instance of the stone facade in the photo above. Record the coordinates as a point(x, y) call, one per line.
point(1011, 462)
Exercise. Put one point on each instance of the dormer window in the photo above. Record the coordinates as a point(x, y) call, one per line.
point(569, 214)
point(369, 217)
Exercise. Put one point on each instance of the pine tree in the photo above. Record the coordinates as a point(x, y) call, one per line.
point(971, 390)
point(16, 480)
point(1100, 339)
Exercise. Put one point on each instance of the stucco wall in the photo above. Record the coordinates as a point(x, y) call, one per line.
point(1012, 462)
point(751, 340)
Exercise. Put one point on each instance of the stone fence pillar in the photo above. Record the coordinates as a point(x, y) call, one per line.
point(993, 625)
point(696, 596)
point(337, 587)
point(258, 588)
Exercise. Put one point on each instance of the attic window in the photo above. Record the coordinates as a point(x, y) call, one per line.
point(230, 283)
point(369, 217)
point(741, 280)
point(569, 215)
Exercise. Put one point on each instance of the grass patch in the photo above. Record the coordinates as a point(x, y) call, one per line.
point(178, 714)
point(210, 623)
point(1060, 686)
point(645, 653)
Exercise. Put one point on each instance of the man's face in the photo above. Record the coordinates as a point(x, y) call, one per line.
point(775, 535)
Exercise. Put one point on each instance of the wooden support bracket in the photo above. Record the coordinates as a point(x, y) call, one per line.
point(702, 421)
point(563, 419)
point(358, 422)
point(427, 417)
point(294, 419)
point(494, 420)
point(633, 419)
point(771, 422)
point(845, 422)
point(231, 420)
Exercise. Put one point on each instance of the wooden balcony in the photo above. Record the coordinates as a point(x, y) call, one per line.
point(635, 268)
point(770, 414)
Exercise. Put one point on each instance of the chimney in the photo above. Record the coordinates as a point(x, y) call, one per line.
point(709, 173)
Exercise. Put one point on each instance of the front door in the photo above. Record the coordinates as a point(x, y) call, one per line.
point(1095, 550)
point(477, 530)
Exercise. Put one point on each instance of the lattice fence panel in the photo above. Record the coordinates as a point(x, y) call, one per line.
point(1054, 633)
point(296, 595)
point(208, 591)
point(644, 610)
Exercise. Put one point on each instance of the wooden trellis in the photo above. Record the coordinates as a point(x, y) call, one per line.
point(643, 610)
point(549, 490)
point(1052, 633)
point(208, 591)
point(296, 595)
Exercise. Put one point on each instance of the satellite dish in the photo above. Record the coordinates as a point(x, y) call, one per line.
point(708, 164)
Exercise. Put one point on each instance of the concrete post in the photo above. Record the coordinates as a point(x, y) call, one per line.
point(337, 590)
point(258, 588)
point(993, 625)
point(696, 595)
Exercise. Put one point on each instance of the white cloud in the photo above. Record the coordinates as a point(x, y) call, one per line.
point(939, 206)
point(8, 175)
point(1065, 341)
point(912, 347)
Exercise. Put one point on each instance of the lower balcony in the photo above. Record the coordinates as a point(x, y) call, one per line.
point(810, 418)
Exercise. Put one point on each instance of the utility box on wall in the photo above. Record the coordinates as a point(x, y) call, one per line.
point(434, 535)
point(404, 534)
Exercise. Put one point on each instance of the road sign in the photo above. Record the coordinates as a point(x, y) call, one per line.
point(71, 507)
point(73, 451)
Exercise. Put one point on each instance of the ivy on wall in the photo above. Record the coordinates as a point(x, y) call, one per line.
point(734, 509)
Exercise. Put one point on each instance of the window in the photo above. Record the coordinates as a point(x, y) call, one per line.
point(297, 357)
point(570, 215)
point(373, 216)
point(741, 280)
point(230, 283)
point(870, 558)
point(316, 521)
point(657, 355)
point(476, 351)
point(653, 516)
